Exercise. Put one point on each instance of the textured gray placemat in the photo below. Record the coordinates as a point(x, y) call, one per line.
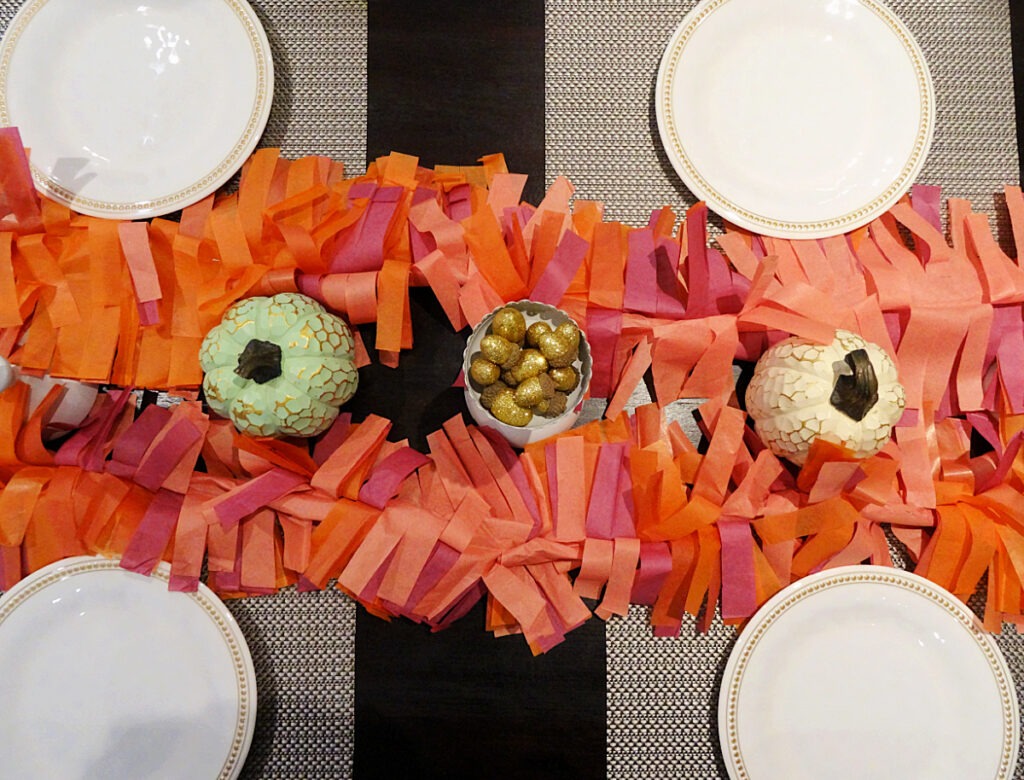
point(303, 649)
point(319, 49)
point(602, 60)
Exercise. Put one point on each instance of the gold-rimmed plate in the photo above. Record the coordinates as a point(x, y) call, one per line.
point(107, 673)
point(795, 118)
point(135, 109)
point(867, 672)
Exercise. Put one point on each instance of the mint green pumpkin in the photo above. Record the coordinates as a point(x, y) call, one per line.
point(279, 366)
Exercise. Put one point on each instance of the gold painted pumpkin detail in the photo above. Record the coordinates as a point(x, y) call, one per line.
point(279, 366)
point(846, 393)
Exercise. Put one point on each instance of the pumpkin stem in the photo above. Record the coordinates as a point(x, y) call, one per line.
point(854, 394)
point(260, 361)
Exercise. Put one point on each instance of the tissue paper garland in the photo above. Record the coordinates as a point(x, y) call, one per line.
point(623, 510)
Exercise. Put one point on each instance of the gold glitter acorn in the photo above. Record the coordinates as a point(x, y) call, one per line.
point(535, 331)
point(509, 323)
point(534, 390)
point(565, 379)
point(556, 405)
point(531, 363)
point(499, 350)
point(489, 393)
point(484, 372)
point(556, 350)
point(505, 409)
point(569, 331)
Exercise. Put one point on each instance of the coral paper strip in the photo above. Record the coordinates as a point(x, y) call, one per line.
point(190, 539)
point(560, 270)
point(230, 507)
point(607, 266)
point(603, 329)
point(421, 533)
point(393, 332)
point(18, 501)
point(164, 455)
point(145, 280)
point(570, 514)
point(739, 598)
point(360, 447)
point(475, 466)
point(501, 472)
point(625, 556)
point(150, 539)
point(485, 242)
point(386, 477)
point(604, 492)
point(10, 314)
point(634, 371)
point(258, 572)
point(335, 539)
point(598, 557)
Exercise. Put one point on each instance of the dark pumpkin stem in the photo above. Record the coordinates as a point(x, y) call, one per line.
point(854, 394)
point(260, 361)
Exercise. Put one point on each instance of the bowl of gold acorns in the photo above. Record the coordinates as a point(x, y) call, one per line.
point(527, 367)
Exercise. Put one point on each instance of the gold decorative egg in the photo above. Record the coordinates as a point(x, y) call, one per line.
point(556, 350)
point(505, 409)
point(565, 378)
point(531, 363)
point(535, 331)
point(510, 324)
point(499, 350)
point(569, 331)
point(534, 390)
point(484, 372)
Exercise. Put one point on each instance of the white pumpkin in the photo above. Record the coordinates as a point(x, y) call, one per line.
point(846, 393)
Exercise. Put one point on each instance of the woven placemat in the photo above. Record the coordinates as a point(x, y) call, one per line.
point(602, 61)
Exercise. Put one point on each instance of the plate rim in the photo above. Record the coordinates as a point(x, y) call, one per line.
point(771, 226)
point(215, 609)
point(209, 181)
point(860, 574)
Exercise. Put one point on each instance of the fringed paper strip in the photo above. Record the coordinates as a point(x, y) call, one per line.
point(623, 510)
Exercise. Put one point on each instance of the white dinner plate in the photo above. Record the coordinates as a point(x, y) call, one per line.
point(107, 673)
point(867, 672)
point(135, 109)
point(795, 118)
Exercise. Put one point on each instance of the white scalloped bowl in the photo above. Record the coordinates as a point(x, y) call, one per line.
point(539, 428)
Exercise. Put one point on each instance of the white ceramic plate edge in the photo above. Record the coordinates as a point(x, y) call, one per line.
point(767, 225)
point(204, 598)
point(206, 185)
point(777, 604)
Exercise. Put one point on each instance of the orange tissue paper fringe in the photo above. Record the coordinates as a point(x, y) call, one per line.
point(623, 510)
